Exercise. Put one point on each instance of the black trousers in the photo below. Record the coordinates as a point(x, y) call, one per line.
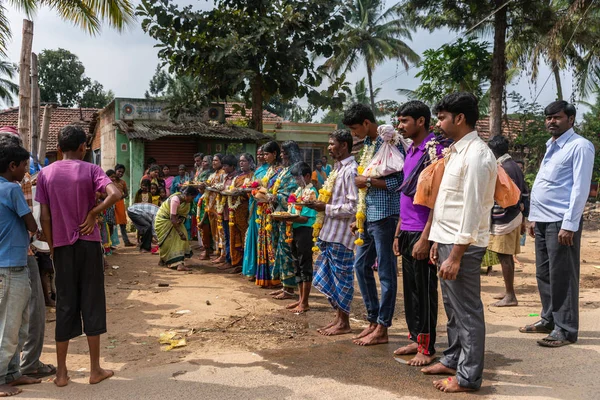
point(143, 224)
point(302, 254)
point(557, 273)
point(420, 294)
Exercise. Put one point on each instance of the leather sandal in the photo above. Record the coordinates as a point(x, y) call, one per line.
point(538, 327)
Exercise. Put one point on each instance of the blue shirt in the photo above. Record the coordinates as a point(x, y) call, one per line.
point(383, 203)
point(562, 185)
point(14, 239)
point(327, 168)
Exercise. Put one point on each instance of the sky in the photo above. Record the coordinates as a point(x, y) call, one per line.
point(125, 62)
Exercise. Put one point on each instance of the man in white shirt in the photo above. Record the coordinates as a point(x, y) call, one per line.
point(460, 231)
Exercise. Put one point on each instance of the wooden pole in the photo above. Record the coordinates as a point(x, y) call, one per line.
point(35, 110)
point(45, 131)
point(25, 83)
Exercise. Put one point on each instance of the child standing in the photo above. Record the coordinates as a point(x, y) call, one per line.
point(16, 219)
point(66, 191)
point(143, 195)
point(155, 194)
point(120, 212)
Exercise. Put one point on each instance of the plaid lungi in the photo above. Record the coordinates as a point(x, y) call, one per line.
point(335, 274)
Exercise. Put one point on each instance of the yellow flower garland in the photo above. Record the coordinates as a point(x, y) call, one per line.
point(361, 209)
point(324, 196)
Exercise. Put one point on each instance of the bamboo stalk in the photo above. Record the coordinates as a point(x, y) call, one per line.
point(25, 83)
point(35, 110)
point(45, 131)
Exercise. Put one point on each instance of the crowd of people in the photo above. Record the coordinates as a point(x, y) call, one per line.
point(288, 227)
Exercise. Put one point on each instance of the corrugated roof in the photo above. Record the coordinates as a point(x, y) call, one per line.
point(61, 117)
point(155, 130)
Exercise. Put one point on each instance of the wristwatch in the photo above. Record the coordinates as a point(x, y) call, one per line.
point(368, 182)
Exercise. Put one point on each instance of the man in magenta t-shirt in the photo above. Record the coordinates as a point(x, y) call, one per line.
point(419, 276)
point(66, 191)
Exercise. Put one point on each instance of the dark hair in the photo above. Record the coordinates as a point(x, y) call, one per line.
point(119, 166)
point(250, 160)
point(71, 137)
point(10, 138)
point(11, 153)
point(201, 155)
point(219, 156)
point(415, 109)
point(460, 103)
point(151, 161)
point(293, 151)
point(358, 113)
point(190, 191)
point(499, 145)
point(154, 168)
point(110, 172)
point(560, 105)
point(230, 160)
point(343, 136)
point(520, 162)
point(154, 184)
point(300, 169)
point(181, 166)
point(145, 182)
point(318, 162)
point(273, 147)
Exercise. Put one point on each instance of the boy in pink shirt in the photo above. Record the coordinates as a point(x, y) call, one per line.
point(66, 191)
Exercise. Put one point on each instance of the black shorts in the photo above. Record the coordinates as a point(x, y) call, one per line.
point(302, 254)
point(79, 275)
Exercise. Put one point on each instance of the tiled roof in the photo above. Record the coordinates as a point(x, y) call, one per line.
point(61, 116)
point(510, 130)
point(156, 130)
point(267, 116)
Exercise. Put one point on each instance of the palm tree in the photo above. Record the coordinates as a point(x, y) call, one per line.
point(8, 88)
point(372, 36)
point(87, 14)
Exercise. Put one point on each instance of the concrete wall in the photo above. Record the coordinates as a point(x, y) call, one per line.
point(136, 165)
point(105, 137)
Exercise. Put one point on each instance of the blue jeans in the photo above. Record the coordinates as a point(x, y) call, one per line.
point(15, 291)
point(379, 242)
point(227, 238)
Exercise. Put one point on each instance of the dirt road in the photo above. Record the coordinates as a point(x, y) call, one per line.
point(242, 344)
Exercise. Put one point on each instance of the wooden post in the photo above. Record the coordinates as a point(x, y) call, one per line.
point(35, 110)
point(45, 131)
point(25, 83)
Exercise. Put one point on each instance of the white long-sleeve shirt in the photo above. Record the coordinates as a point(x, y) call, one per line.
point(461, 214)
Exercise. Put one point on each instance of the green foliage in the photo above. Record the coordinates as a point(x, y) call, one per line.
point(186, 96)
point(61, 77)
point(290, 110)
point(590, 129)
point(234, 149)
point(95, 96)
point(8, 89)
point(255, 47)
point(465, 65)
point(158, 84)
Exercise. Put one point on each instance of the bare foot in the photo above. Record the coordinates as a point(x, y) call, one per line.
point(275, 293)
point(338, 329)
point(450, 385)
point(420, 360)
point(438, 369)
point(323, 329)
point(366, 332)
point(225, 266)
point(25, 380)
point(99, 376)
point(408, 349)
point(183, 268)
point(252, 279)
point(499, 296)
point(293, 305)
point(61, 380)
point(508, 301)
point(7, 391)
point(300, 309)
point(378, 336)
point(219, 260)
point(284, 295)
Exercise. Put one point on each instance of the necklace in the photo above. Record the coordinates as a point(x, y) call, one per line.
point(324, 196)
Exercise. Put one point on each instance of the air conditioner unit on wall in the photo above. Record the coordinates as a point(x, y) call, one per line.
point(215, 112)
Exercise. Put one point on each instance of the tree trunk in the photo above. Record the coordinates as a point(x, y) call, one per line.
point(35, 109)
point(25, 83)
point(45, 131)
point(371, 95)
point(556, 72)
point(498, 70)
point(257, 103)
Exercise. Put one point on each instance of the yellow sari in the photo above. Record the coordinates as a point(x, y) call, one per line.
point(173, 250)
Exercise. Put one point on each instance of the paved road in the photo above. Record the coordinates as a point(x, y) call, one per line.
point(516, 368)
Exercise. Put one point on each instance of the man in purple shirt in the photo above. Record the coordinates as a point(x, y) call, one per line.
point(66, 191)
point(419, 275)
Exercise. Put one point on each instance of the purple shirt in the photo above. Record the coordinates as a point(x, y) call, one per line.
point(69, 188)
point(414, 217)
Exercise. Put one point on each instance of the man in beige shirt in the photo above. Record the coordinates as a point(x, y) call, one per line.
point(460, 232)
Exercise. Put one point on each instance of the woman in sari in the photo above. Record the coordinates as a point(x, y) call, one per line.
point(250, 255)
point(290, 154)
point(266, 274)
point(170, 230)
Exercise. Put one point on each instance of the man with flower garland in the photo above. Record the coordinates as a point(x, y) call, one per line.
point(335, 275)
point(377, 240)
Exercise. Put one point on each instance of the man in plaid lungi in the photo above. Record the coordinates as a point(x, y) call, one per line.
point(335, 264)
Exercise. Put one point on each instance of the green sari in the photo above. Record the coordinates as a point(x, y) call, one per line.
point(173, 250)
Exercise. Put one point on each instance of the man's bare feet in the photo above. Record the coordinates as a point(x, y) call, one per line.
point(219, 260)
point(420, 360)
point(224, 266)
point(100, 375)
point(276, 292)
point(338, 329)
point(7, 391)
point(285, 295)
point(299, 309)
point(499, 296)
point(438, 369)
point(334, 322)
point(507, 301)
point(378, 336)
point(24, 380)
point(367, 331)
point(293, 305)
point(62, 379)
point(450, 385)
point(408, 349)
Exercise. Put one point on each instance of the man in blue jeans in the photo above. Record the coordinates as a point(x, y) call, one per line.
point(383, 208)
